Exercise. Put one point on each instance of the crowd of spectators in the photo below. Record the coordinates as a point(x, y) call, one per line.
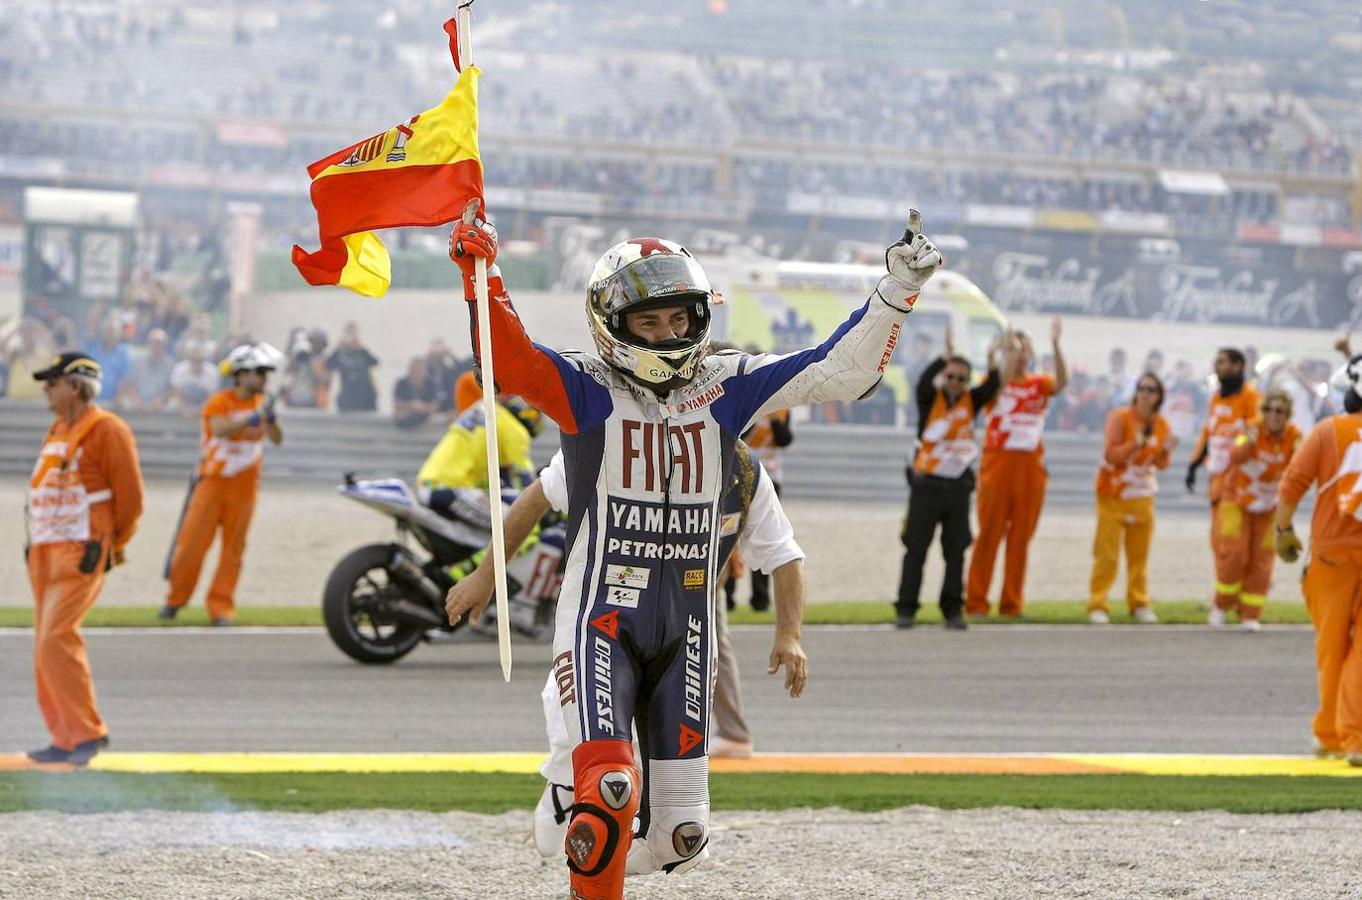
point(160, 368)
point(1069, 115)
point(163, 372)
point(159, 62)
point(304, 103)
point(1085, 402)
point(763, 182)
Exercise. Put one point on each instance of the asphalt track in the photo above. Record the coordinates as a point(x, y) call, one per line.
point(994, 689)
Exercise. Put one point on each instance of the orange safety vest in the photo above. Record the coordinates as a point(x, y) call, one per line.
point(58, 504)
point(1225, 421)
point(1016, 415)
point(227, 457)
point(1252, 484)
point(1137, 476)
point(948, 448)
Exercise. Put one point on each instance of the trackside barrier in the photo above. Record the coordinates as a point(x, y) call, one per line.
point(833, 462)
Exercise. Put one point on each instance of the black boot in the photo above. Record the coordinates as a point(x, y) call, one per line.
point(50, 754)
point(85, 751)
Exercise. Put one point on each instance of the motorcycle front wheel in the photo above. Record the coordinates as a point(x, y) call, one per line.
point(353, 603)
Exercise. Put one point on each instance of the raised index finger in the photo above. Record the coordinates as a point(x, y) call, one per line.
point(914, 225)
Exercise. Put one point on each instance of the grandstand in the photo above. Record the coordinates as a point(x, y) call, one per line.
point(1082, 131)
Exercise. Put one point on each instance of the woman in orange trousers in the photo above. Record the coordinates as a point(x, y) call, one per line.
point(1138, 445)
point(85, 498)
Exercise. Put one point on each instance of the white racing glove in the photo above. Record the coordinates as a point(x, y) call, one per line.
point(911, 261)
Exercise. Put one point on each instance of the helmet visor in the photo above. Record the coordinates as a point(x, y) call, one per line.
point(652, 278)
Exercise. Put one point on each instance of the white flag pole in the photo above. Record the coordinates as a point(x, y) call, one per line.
point(489, 398)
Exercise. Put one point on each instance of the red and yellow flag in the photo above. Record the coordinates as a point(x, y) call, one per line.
point(422, 172)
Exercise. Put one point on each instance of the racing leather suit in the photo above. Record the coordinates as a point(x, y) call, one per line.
point(753, 522)
point(645, 477)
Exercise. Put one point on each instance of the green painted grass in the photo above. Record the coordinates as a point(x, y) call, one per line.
point(86, 792)
point(1049, 612)
point(145, 616)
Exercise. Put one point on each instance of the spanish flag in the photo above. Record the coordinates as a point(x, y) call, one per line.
point(422, 172)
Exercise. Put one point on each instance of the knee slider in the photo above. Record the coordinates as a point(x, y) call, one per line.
point(677, 841)
point(606, 779)
point(677, 835)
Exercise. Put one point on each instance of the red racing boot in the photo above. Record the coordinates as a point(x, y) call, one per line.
point(607, 782)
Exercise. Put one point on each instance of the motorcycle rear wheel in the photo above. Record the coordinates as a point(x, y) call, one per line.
point(351, 603)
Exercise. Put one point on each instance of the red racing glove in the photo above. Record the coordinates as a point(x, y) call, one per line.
point(468, 242)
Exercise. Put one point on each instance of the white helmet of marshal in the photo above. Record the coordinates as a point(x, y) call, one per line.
point(248, 357)
point(641, 274)
point(1348, 378)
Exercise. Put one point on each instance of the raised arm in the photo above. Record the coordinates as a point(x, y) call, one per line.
point(926, 386)
point(983, 394)
point(850, 363)
point(545, 379)
point(1061, 367)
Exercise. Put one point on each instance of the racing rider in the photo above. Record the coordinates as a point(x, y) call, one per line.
point(649, 428)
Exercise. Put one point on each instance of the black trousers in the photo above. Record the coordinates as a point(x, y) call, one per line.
point(936, 501)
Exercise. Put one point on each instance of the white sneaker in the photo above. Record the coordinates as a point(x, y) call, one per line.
point(1250, 625)
point(1216, 617)
point(723, 748)
point(1098, 617)
point(1145, 615)
point(550, 825)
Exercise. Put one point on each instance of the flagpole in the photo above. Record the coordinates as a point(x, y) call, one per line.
point(489, 398)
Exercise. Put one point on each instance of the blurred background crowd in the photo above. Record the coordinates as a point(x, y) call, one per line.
point(1156, 161)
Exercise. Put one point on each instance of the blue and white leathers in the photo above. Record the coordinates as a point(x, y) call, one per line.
point(634, 645)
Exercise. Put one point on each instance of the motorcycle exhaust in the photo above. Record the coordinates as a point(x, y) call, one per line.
point(404, 570)
point(408, 613)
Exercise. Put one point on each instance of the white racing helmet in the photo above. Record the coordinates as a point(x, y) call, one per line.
point(639, 275)
point(249, 357)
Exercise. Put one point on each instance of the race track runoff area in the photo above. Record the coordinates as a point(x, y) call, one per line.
point(1034, 716)
point(766, 763)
